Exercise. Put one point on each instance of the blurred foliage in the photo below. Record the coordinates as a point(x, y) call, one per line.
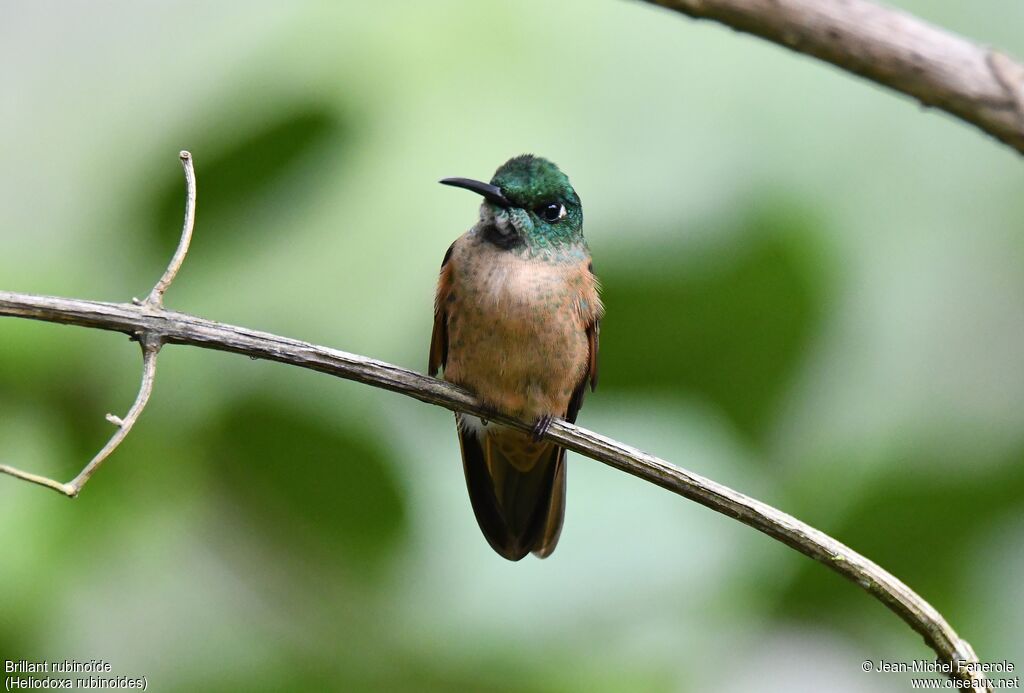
point(241, 169)
point(921, 528)
point(731, 330)
point(319, 488)
point(799, 269)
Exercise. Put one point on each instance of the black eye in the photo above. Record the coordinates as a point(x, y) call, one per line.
point(551, 212)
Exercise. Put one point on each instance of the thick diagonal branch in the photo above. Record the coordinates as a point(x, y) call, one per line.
point(938, 68)
point(180, 328)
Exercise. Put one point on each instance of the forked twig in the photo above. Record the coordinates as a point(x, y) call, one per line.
point(150, 348)
point(150, 341)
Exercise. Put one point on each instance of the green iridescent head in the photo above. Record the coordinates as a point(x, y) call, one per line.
point(530, 204)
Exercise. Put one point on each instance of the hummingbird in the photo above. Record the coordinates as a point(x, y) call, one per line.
point(516, 322)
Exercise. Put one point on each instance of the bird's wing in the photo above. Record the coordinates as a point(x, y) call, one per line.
point(556, 505)
point(439, 338)
point(592, 321)
point(593, 338)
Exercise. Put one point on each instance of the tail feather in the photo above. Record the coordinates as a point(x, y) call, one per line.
point(517, 489)
point(483, 499)
point(556, 510)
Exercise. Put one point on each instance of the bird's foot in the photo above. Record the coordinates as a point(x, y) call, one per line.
point(541, 427)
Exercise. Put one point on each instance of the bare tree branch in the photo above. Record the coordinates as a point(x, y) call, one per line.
point(979, 85)
point(179, 328)
point(153, 326)
point(150, 342)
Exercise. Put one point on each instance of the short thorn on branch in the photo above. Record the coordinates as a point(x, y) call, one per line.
point(149, 341)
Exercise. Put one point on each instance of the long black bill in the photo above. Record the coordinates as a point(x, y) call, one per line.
point(490, 192)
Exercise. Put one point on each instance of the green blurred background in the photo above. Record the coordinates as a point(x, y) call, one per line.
point(815, 294)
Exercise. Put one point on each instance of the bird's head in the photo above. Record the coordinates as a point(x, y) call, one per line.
point(529, 203)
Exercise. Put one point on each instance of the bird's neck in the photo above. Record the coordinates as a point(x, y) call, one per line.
point(553, 247)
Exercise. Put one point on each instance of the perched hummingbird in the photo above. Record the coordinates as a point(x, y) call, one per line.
point(516, 322)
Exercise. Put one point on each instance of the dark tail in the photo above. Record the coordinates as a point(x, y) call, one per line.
point(519, 507)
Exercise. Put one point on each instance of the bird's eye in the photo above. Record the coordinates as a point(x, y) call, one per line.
point(551, 212)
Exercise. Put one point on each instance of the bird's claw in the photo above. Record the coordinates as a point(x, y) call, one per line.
point(541, 427)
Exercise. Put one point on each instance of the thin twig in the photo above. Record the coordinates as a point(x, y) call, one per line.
point(36, 479)
point(889, 47)
point(156, 296)
point(150, 343)
point(150, 349)
point(180, 328)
